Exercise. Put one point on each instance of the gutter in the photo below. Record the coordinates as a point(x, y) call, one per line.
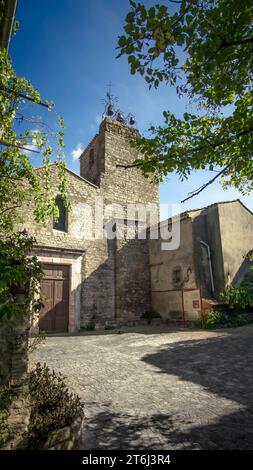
point(7, 21)
point(209, 262)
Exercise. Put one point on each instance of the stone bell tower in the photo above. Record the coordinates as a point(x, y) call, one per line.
point(99, 165)
point(126, 272)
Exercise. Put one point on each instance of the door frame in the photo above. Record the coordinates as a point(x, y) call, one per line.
point(69, 265)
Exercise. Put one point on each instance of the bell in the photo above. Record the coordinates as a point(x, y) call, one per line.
point(120, 118)
point(109, 111)
point(131, 121)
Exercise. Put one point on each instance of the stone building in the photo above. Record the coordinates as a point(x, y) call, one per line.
point(213, 243)
point(91, 279)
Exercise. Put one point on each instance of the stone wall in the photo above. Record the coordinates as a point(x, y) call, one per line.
point(65, 438)
point(124, 271)
point(113, 280)
point(132, 274)
point(166, 292)
point(13, 374)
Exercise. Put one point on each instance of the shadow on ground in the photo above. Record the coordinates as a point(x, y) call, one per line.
point(108, 430)
point(221, 366)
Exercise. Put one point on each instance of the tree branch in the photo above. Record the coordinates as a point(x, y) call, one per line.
point(10, 208)
point(236, 43)
point(8, 144)
point(20, 117)
point(26, 97)
point(132, 165)
point(10, 177)
point(183, 13)
point(194, 149)
point(204, 186)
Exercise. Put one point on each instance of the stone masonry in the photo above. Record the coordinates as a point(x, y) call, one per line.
point(110, 279)
point(14, 376)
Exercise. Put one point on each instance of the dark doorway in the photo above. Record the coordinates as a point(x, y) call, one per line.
point(54, 317)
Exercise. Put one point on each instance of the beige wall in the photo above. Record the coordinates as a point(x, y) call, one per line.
point(228, 230)
point(165, 296)
point(236, 227)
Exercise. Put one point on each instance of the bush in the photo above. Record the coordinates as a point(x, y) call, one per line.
point(52, 405)
point(214, 319)
point(211, 319)
point(36, 340)
point(149, 315)
point(247, 281)
point(109, 327)
point(238, 297)
point(88, 327)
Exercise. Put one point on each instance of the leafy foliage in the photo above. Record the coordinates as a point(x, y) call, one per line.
point(109, 327)
point(204, 49)
point(19, 276)
point(88, 326)
point(52, 405)
point(247, 281)
point(20, 184)
point(238, 297)
point(215, 319)
point(36, 340)
point(211, 319)
point(149, 315)
point(249, 257)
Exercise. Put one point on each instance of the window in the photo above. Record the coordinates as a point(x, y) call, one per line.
point(177, 276)
point(91, 157)
point(61, 222)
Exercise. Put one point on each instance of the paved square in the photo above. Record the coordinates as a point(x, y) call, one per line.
point(160, 389)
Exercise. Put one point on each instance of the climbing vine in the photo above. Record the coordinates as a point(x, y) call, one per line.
point(20, 183)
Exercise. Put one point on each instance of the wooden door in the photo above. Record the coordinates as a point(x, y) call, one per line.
point(54, 317)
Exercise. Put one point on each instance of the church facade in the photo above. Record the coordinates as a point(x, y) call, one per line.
point(90, 278)
point(102, 265)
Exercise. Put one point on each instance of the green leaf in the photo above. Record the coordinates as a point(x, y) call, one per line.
point(122, 41)
point(130, 17)
point(151, 12)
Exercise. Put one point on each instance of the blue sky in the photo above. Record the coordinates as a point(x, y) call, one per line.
point(66, 48)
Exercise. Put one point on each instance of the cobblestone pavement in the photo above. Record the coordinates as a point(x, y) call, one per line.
point(160, 389)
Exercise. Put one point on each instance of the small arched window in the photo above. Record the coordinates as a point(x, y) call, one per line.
point(61, 222)
point(91, 158)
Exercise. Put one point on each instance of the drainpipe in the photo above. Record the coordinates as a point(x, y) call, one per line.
point(6, 26)
point(209, 262)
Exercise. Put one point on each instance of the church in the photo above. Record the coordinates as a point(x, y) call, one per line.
point(102, 266)
point(99, 280)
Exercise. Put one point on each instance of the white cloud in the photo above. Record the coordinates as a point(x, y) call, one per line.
point(77, 152)
point(98, 119)
point(29, 148)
